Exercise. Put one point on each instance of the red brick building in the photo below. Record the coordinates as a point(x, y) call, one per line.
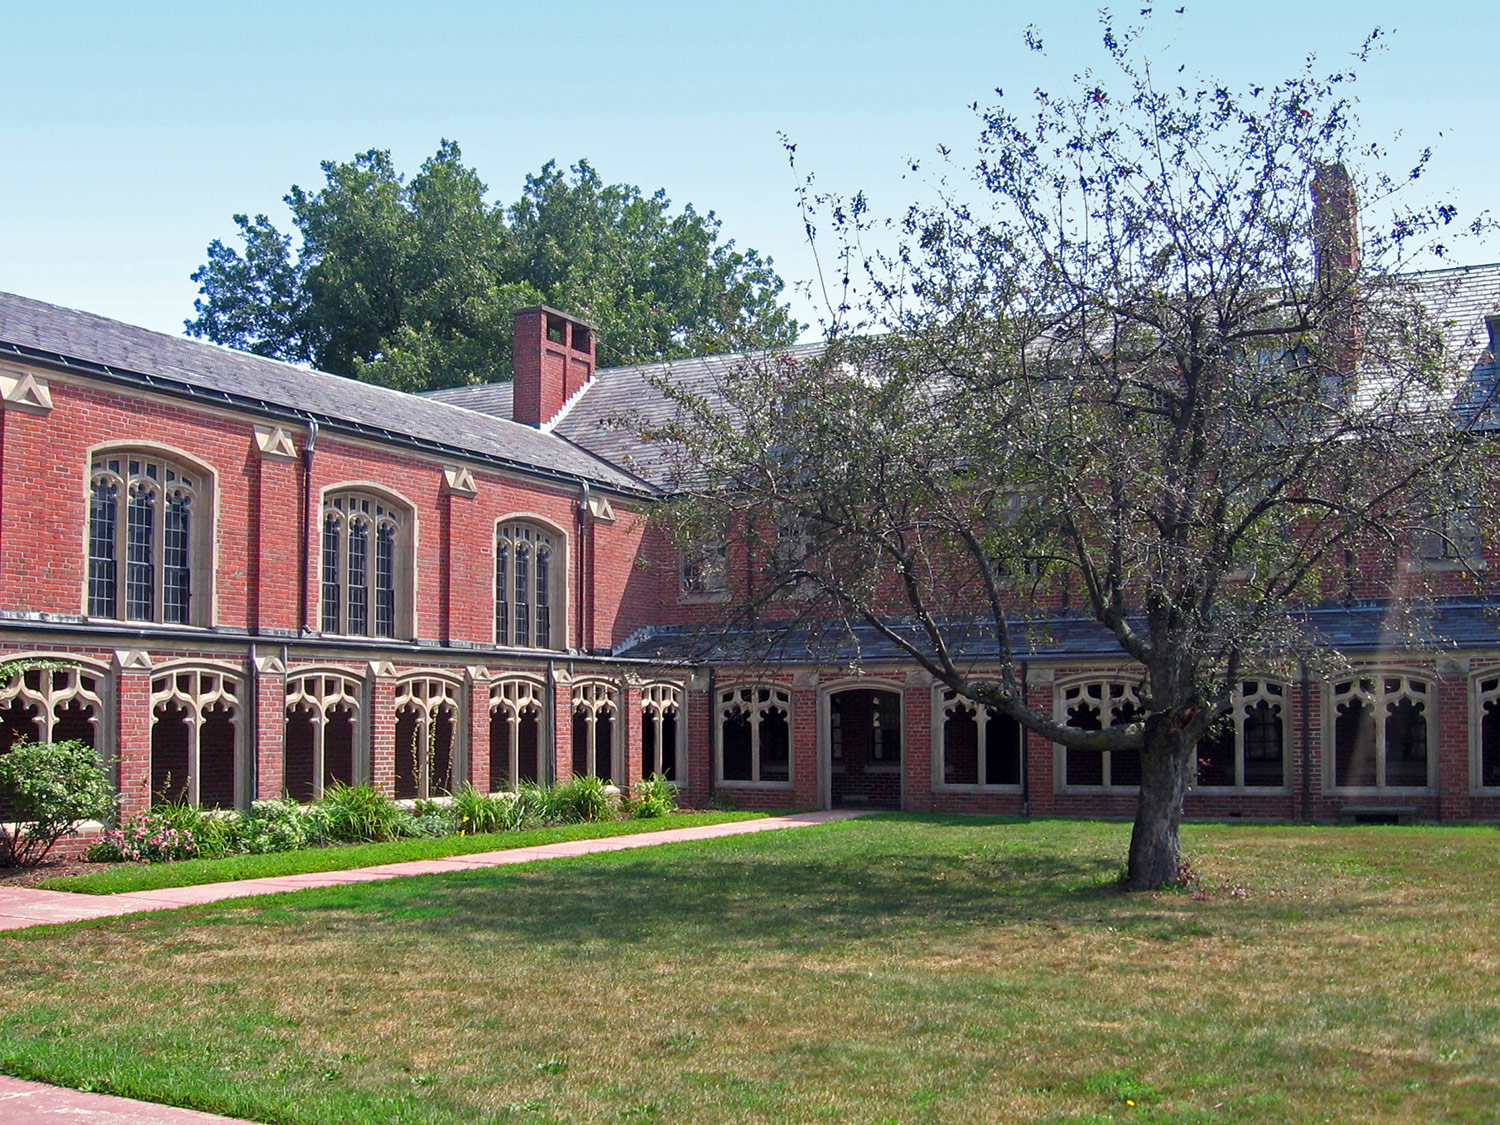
point(258, 579)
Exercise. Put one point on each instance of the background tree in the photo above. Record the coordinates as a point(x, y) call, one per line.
point(413, 283)
point(1143, 373)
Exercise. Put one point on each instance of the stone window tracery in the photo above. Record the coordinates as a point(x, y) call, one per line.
point(529, 586)
point(1094, 706)
point(196, 752)
point(661, 708)
point(323, 711)
point(981, 746)
point(1380, 732)
point(596, 709)
point(148, 519)
point(517, 708)
point(427, 748)
point(365, 563)
point(755, 734)
point(1247, 749)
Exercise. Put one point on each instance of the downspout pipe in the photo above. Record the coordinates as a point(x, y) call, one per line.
point(1025, 742)
point(1306, 709)
point(305, 550)
point(583, 555)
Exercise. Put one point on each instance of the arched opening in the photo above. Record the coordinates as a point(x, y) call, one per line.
point(864, 745)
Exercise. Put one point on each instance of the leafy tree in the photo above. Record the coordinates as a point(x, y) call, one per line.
point(413, 283)
point(1142, 375)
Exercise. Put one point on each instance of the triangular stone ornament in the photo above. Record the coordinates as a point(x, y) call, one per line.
point(459, 480)
point(133, 660)
point(382, 668)
point(22, 390)
point(807, 678)
point(270, 666)
point(478, 673)
point(275, 443)
point(601, 510)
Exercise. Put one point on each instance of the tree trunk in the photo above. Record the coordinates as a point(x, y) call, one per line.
point(1166, 770)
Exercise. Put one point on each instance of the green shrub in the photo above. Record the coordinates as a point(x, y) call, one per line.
point(280, 826)
point(50, 785)
point(651, 797)
point(581, 800)
point(428, 818)
point(213, 832)
point(358, 814)
point(530, 806)
point(475, 812)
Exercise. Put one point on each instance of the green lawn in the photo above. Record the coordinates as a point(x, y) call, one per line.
point(893, 969)
point(190, 873)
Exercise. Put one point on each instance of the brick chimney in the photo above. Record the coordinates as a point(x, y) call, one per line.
point(1335, 226)
point(553, 358)
point(1336, 266)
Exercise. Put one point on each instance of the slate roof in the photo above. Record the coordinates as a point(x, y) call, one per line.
point(74, 340)
point(1363, 629)
point(602, 416)
point(617, 400)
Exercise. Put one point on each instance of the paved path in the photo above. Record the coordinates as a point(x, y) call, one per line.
point(31, 1103)
point(22, 907)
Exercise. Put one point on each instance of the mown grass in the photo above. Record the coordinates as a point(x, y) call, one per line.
point(192, 872)
point(898, 969)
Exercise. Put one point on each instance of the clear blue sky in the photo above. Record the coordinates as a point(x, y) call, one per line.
point(134, 131)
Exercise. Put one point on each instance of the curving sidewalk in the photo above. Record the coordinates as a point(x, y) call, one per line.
point(23, 907)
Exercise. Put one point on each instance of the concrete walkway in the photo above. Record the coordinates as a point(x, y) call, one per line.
point(23, 907)
point(31, 1103)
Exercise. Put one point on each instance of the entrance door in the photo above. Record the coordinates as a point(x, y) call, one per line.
point(864, 747)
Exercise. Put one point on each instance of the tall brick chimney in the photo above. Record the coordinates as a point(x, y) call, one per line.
point(554, 357)
point(1336, 266)
point(1335, 226)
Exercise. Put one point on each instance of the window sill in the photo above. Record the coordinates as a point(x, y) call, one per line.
point(706, 597)
point(974, 787)
point(752, 785)
point(1442, 566)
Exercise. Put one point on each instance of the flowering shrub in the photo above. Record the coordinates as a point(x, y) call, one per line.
point(148, 837)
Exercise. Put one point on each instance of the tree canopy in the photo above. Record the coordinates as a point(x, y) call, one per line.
point(413, 282)
point(1139, 370)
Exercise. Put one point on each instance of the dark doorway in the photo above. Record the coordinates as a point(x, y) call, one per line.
point(864, 741)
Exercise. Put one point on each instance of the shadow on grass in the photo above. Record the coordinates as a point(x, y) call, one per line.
point(790, 892)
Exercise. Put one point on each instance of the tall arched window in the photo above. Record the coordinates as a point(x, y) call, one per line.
point(661, 708)
point(429, 758)
point(1380, 733)
point(322, 733)
point(596, 708)
point(196, 752)
point(147, 526)
point(517, 707)
point(366, 548)
point(1247, 749)
point(981, 746)
point(1094, 706)
point(755, 742)
point(529, 586)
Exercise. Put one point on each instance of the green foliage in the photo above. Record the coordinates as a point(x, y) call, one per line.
point(361, 814)
point(50, 785)
point(413, 283)
point(652, 796)
point(582, 799)
point(280, 826)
